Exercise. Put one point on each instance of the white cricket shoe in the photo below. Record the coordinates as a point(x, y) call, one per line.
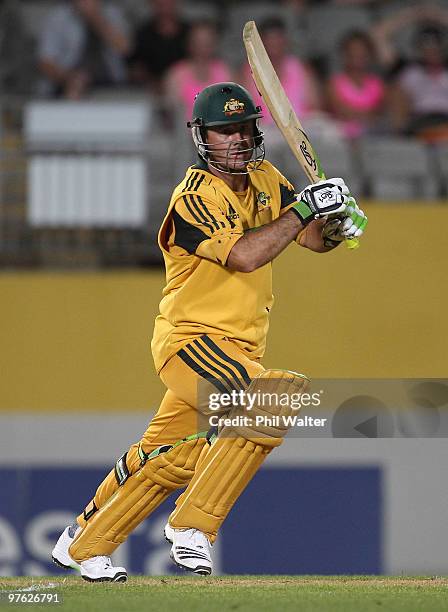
point(60, 554)
point(190, 550)
point(100, 569)
point(96, 569)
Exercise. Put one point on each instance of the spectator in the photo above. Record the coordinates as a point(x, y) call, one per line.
point(16, 50)
point(201, 68)
point(159, 43)
point(83, 44)
point(296, 77)
point(408, 20)
point(419, 100)
point(356, 94)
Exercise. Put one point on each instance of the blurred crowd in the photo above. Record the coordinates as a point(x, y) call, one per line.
point(362, 84)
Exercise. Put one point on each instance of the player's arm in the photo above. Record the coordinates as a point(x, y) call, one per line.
point(202, 229)
point(306, 219)
point(260, 246)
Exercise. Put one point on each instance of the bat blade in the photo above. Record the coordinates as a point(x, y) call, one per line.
point(275, 98)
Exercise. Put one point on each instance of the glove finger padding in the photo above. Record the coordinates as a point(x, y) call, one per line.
point(354, 225)
point(350, 224)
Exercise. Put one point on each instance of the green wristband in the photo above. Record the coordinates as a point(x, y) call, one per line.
point(303, 211)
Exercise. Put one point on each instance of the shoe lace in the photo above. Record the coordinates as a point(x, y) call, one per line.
point(199, 540)
point(105, 560)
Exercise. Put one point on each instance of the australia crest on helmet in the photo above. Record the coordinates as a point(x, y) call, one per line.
point(234, 107)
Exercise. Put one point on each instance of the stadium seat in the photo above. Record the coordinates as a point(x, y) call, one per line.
point(441, 154)
point(338, 160)
point(2, 171)
point(257, 11)
point(34, 14)
point(195, 11)
point(398, 169)
point(136, 11)
point(140, 10)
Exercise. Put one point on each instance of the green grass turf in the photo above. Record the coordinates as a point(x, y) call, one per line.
point(258, 593)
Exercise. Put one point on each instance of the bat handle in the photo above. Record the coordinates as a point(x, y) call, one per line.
point(352, 243)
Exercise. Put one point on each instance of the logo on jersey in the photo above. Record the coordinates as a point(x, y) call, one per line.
point(232, 216)
point(263, 200)
point(233, 107)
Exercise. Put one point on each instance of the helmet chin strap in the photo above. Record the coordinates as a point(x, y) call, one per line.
point(215, 166)
point(225, 168)
point(257, 154)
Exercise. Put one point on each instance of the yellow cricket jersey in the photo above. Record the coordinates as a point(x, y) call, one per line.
point(205, 219)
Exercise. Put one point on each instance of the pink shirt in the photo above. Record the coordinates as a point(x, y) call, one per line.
point(367, 97)
point(294, 79)
point(189, 85)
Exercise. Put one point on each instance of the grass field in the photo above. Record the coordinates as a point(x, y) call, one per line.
point(273, 593)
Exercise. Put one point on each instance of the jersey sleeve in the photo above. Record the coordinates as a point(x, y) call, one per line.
point(287, 193)
point(202, 228)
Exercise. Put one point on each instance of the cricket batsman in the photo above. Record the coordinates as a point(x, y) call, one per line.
point(228, 219)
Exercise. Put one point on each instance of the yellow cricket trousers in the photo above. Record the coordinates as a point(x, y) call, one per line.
point(206, 362)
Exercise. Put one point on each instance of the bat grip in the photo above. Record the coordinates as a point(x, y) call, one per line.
point(350, 243)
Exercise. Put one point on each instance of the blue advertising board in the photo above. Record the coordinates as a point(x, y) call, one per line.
point(290, 520)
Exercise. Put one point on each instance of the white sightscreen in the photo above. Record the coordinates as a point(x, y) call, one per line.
point(87, 164)
point(87, 190)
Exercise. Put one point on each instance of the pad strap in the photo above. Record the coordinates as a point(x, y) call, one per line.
point(166, 447)
point(121, 470)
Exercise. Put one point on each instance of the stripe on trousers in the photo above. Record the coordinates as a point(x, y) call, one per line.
point(220, 353)
point(191, 363)
point(201, 360)
point(221, 364)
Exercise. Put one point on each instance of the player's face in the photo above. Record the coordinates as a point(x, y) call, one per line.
point(231, 145)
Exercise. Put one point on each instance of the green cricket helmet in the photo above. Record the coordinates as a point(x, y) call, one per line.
point(223, 104)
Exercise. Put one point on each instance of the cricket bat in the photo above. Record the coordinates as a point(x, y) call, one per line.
point(275, 98)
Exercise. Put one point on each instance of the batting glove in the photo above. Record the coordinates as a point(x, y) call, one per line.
point(327, 197)
point(351, 224)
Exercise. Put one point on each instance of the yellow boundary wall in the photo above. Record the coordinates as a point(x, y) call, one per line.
point(80, 341)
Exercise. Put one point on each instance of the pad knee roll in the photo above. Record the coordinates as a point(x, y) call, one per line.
point(165, 470)
point(267, 420)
